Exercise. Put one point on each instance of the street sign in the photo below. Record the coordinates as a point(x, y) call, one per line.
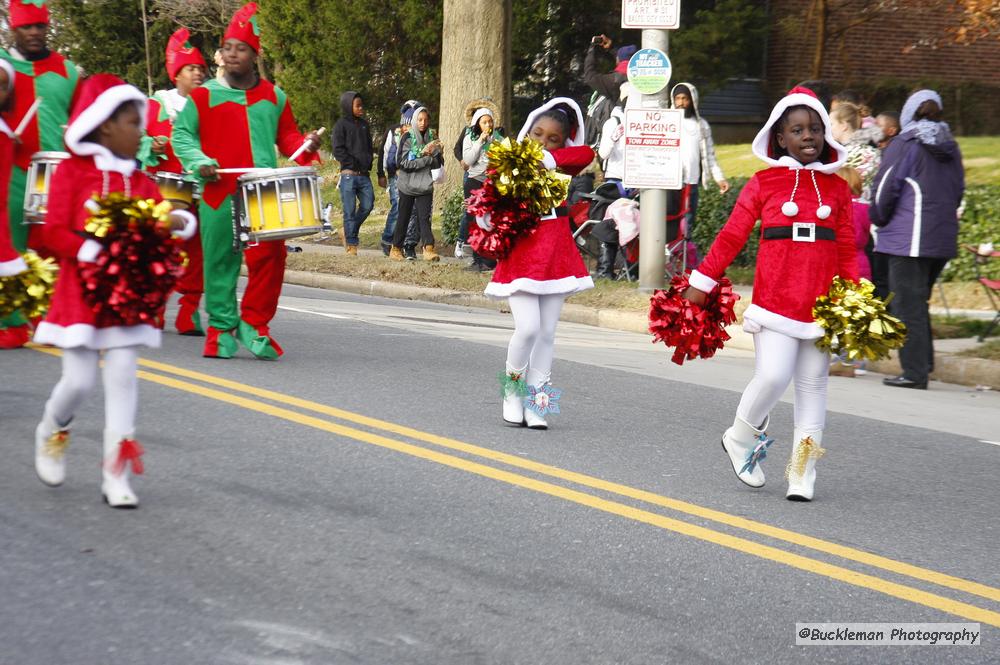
point(653, 148)
point(651, 14)
point(649, 70)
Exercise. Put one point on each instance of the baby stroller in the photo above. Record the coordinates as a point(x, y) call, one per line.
point(596, 236)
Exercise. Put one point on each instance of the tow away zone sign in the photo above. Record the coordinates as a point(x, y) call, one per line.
point(653, 148)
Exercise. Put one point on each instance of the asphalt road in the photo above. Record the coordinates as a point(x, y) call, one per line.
point(359, 501)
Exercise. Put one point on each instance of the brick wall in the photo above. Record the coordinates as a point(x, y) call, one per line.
point(875, 59)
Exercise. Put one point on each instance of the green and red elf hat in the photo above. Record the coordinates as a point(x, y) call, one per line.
point(181, 53)
point(244, 27)
point(27, 12)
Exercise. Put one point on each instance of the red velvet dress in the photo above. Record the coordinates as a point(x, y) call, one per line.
point(790, 274)
point(548, 261)
point(70, 322)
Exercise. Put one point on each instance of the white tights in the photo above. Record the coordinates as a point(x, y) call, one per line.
point(534, 338)
point(780, 359)
point(79, 373)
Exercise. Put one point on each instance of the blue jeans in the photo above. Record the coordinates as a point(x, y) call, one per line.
point(358, 198)
point(390, 219)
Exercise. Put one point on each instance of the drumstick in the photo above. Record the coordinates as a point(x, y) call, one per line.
point(28, 116)
point(302, 148)
point(250, 170)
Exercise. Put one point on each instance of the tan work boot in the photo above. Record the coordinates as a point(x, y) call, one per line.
point(396, 254)
point(352, 250)
point(430, 254)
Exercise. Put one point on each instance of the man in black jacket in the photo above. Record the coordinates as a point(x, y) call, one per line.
point(609, 83)
point(352, 147)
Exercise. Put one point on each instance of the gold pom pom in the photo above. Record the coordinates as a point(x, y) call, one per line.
point(29, 292)
point(517, 172)
point(855, 322)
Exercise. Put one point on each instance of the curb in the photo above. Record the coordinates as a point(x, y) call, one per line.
point(948, 368)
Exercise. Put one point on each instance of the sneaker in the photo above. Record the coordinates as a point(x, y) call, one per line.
point(385, 248)
point(459, 250)
point(410, 253)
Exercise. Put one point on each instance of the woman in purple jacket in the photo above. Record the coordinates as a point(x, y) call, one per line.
point(918, 191)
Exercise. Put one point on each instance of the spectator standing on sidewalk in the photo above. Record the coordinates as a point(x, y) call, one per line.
point(698, 160)
point(918, 191)
point(352, 147)
point(388, 166)
point(419, 155)
point(478, 139)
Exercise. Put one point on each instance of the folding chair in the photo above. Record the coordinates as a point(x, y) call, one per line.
point(991, 286)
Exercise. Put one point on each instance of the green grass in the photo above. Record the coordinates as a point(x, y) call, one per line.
point(980, 154)
point(958, 327)
point(989, 350)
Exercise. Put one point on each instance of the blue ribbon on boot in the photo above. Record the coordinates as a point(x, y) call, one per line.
point(758, 454)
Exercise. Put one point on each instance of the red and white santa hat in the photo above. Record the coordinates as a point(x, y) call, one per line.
point(27, 12)
point(762, 145)
point(180, 53)
point(99, 96)
point(564, 105)
point(244, 26)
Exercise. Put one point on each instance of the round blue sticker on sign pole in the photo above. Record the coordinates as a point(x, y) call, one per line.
point(649, 70)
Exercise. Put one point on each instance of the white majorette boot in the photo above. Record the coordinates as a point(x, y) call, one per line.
point(51, 442)
point(119, 452)
point(801, 469)
point(747, 447)
point(513, 390)
point(541, 399)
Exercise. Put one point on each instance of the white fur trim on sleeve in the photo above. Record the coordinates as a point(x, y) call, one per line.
point(12, 267)
point(190, 224)
point(88, 251)
point(548, 161)
point(701, 281)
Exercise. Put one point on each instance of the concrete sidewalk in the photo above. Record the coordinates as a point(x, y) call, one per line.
point(949, 367)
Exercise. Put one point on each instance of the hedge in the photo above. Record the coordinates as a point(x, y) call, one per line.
point(980, 223)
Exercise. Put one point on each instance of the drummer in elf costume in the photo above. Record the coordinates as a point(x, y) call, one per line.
point(40, 74)
point(235, 122)
point(187, 70)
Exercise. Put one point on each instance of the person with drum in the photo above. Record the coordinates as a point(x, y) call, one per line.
point(187, 70)
point(234, 123)
point(41, 75)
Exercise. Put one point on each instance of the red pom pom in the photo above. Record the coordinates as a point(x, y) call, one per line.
point(511, 219)
point(693, 331)
point(130, 281)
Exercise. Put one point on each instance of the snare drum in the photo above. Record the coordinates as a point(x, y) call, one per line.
point(276, 204)
point(177, 189)
point(36, 191)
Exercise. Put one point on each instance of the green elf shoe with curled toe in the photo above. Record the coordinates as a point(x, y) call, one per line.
point(220, 344)
point(258, 341)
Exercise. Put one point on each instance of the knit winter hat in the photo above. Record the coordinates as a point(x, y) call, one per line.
point(181, 53)
point(244, 27)
point(798, 96)
point(567, 106)
point(27, 12)
point(479, 114)
point(98, 97)
point(626, 52)
point(406, 111)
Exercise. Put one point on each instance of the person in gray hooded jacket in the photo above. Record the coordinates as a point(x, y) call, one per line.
point(697, 149)
point(419, 154)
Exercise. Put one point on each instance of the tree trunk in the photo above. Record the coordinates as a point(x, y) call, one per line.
point(475, 63)
point(820, 46)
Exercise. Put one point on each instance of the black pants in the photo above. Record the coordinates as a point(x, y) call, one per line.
point(879, 263)
point(911, 279)
point(422, 204)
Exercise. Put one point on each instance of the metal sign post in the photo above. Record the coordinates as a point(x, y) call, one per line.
point(655, 18)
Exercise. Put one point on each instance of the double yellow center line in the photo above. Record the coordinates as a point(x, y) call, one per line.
point(249, 397)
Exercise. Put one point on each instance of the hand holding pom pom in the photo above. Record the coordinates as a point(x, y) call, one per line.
point(690, 320)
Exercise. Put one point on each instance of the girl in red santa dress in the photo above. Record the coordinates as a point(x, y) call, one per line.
point(103, 135)
point(806, 240)
point(11, 262)
point(541, 270)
